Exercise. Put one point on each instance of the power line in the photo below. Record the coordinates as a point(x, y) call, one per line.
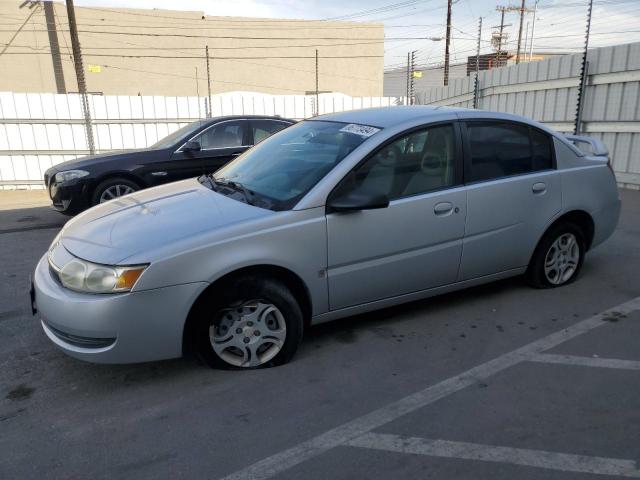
point(151, 47)
point(229, 37)
point(201, 57)
point(372, 11)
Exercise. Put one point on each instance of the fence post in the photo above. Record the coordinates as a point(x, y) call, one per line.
point(583, 74)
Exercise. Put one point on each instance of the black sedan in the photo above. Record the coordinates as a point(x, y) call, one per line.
point(195, 149)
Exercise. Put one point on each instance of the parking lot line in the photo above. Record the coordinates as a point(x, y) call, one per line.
point(585, 361)
point(491, 453)
point(342, 434)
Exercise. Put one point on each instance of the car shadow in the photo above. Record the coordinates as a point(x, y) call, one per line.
point(336, 330)
point(32, 218)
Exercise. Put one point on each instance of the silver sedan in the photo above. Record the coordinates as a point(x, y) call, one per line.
point(337, 215)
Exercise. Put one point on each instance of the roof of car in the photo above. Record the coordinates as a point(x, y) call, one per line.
point(387, 116)
point(245, 117)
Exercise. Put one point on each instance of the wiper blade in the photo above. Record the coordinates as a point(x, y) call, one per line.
point(237, 186)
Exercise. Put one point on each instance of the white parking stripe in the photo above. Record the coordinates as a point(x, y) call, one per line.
point(586, 361)
point(286, 459)
point(489, 453)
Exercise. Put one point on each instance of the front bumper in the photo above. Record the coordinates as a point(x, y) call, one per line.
point(68, 197)
point(120, 328)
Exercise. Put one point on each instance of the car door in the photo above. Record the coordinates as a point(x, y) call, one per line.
point(513, 192)
point(416, 242)
point(219, 144)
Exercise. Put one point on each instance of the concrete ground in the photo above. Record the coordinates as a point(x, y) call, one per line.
point(22, 210)
point(500, 381)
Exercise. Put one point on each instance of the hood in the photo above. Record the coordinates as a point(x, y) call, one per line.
point(89, 160)
point(113, 231)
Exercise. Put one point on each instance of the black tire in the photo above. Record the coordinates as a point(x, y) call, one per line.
point(108, 183)
point(236, 292)
point(536, 276)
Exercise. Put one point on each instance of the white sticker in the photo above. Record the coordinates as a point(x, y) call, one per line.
point(362, 130)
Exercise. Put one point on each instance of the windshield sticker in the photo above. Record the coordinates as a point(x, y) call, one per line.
point(362, 130)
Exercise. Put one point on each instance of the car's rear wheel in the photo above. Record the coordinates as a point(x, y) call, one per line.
point(249, 322)
point(113, 188)
point(558, 258)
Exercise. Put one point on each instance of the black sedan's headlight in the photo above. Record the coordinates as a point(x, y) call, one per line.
point(70, 175)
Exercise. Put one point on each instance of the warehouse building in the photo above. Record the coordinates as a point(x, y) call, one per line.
point(162, 52)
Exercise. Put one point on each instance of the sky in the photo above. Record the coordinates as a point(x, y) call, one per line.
point(560, 24)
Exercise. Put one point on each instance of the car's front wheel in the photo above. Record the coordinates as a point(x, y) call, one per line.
point(558, 257)
point(113, 188)
point(250, 322)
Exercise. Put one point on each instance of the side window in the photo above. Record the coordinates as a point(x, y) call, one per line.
point(265, 128)
point(416, 163)
point(541, 146)
point(498, 150)
point(223, 135)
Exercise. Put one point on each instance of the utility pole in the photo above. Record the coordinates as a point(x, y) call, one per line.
point(500, 36)
point(198, 93)
point(317, 89)
point(82, 86)
point(54, 46)
point(476, 89)
point(447, 44)
point(526, 41)
point(522, 10)
point(583, 73)
point(209, 114)
point(533, 28)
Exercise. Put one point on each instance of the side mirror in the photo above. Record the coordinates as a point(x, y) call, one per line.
point(358, 200)
point(191, 146)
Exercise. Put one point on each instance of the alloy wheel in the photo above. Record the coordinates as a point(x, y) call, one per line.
point(115, 191)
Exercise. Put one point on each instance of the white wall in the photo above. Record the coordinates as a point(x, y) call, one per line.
point(41, 130)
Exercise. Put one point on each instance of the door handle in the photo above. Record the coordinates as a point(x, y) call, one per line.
point(443, 208)
point(539, 188)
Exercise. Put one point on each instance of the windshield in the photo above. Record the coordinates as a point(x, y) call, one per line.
point(172, 138)
point(284, 167)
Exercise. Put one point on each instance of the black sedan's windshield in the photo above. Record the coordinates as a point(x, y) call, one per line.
point(172, 138)
point(283, 168)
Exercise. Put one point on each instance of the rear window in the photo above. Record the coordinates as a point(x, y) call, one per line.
point(504, 149)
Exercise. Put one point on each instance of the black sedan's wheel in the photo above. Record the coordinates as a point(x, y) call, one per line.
point(113, 188)
point(558, 257)
point(249, 323)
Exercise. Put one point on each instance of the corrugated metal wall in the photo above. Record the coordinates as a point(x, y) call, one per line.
point(547, 91)
point(41, 130)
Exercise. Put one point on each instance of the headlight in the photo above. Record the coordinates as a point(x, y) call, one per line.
point(70, 175)
point(84, 276)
